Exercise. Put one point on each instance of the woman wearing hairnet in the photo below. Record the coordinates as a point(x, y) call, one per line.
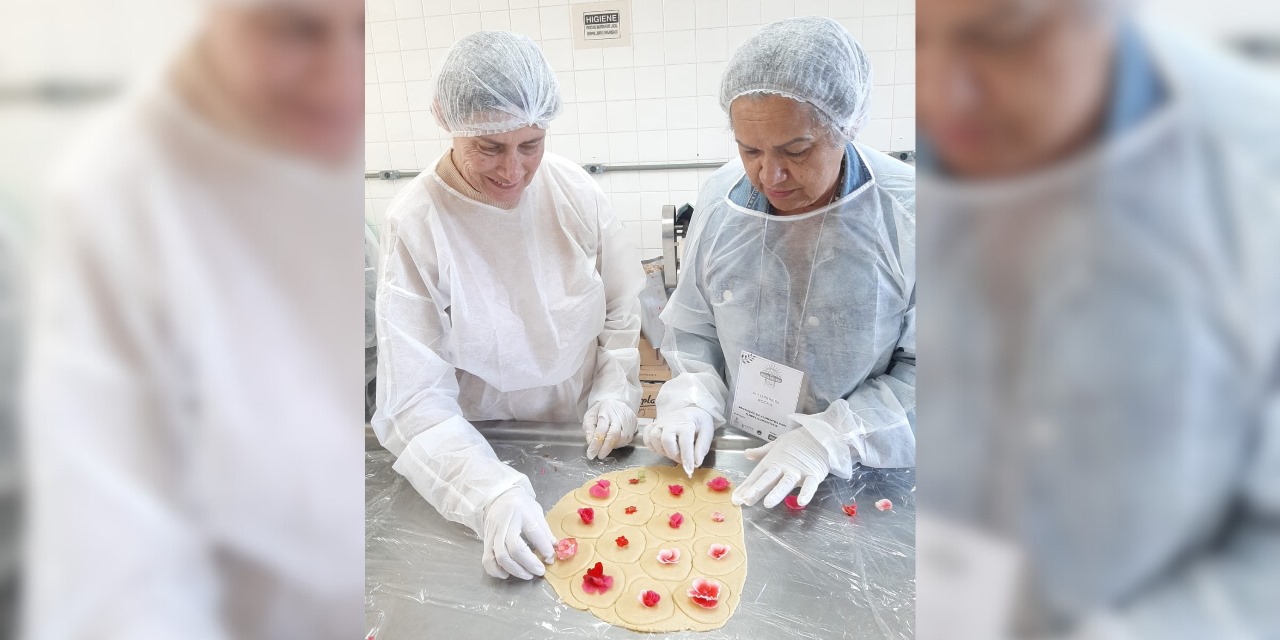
point(507, 291)
point(803, 253)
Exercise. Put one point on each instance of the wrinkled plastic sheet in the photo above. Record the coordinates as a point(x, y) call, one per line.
point(817, 573)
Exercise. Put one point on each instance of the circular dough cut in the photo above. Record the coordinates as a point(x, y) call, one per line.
point(667, 572)
point(706, 565)
point(706, 526)
point(659, 526)
point(661, 495)
point(668, 474)
point(577, 563)
point(573, 527)
point(706, 494)
point(644, 510)
point(621, 481)
point(583, 495)
point(556, 515)
point(607, 548)
point(607, 598)
point(632, 610)
point(718, 615)
point(596, 544)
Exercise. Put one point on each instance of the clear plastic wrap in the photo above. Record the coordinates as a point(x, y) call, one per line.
point(816, 573)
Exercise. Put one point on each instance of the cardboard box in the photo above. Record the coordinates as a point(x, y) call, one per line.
point(652, 367)
point(649, 400)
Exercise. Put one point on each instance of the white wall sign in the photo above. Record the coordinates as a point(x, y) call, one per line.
point(601, 24)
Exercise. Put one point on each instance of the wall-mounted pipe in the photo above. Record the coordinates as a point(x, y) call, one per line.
point(600, 168)
point(57, 92)
point(392, 174)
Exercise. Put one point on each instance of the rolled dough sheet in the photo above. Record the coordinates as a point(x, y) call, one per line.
point(635, 568)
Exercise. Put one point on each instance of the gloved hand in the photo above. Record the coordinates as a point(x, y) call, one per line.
point(609, 424)
point(684, 435)
point(795, 457)
point(512, 513)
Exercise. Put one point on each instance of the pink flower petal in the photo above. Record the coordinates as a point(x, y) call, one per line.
point(717, 516)
point(587, 514)
point(566, 548)
point(675, 520)
point(675, 489)
point(719, 483)
point(792, 503)
point(883, 504)
point(718, 551)
point(668, 556)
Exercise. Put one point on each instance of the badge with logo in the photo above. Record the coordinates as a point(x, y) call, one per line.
point(765, 393)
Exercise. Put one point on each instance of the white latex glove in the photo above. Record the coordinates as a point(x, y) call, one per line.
point(795, 457)
point(512, 513)
point(684, 435)
point(608, 425)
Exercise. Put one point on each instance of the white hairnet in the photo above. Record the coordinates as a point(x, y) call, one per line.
point(493, 82)
point(809, 59)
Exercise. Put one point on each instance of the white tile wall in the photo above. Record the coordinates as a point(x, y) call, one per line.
point(655, 101)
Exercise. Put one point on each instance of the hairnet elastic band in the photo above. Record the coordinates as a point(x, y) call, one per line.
point(844, 130)
point(471, 133)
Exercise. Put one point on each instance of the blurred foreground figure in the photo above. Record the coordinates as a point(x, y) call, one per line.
point(1100, 440)
point(12, 295)
point(192, 421)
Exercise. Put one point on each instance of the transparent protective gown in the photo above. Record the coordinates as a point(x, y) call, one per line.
point(830, 292)
point(486, 314)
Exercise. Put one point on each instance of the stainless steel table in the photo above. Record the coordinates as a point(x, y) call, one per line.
point(816, 573)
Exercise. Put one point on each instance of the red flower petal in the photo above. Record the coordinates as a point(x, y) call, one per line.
point(792, 503)
point(719, 483)
point(675, 489)
point(621, 541)
point(705, 593)
point(851, 509)
point(675, 520)
point(630, 510)
point(595, 581)
point(587, 514)
point(650, 598)
point(633, 481)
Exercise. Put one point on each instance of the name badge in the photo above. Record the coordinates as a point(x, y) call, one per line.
point(765, 393)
